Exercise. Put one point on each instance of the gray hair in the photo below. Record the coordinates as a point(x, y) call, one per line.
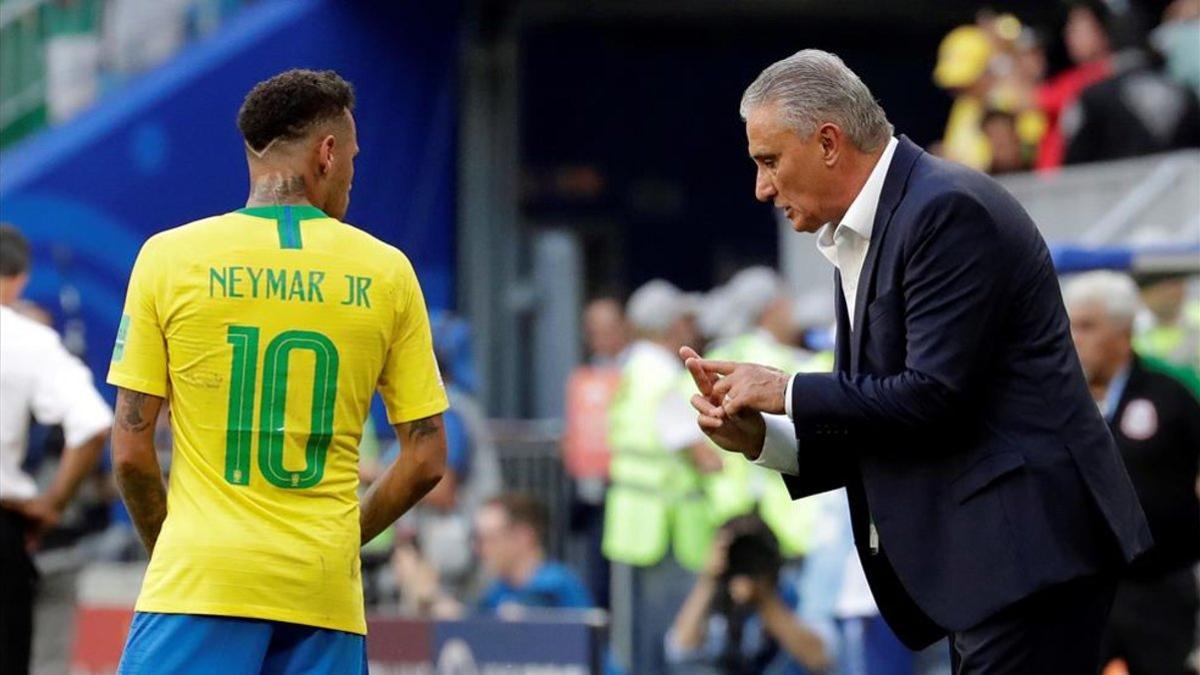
point(1114, 291)
point(812, 87)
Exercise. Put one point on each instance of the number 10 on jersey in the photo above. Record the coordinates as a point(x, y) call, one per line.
point(243, 381)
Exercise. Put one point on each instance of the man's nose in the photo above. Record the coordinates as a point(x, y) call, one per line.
point(764, 189)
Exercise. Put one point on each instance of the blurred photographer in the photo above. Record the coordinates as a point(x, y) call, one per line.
point(739, 617)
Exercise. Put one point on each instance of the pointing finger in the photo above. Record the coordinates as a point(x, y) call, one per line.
point(703, 380)
point(718, 367)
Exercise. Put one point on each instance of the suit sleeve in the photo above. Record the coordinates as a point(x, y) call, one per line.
point(954, 288)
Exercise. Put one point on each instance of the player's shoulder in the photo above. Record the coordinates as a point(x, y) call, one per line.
point(187, 236)
point(369, 248)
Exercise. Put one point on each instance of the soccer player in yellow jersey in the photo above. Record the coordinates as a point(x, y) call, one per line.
point(267, 330)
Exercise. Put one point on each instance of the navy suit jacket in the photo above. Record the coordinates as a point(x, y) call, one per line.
point(958, 417)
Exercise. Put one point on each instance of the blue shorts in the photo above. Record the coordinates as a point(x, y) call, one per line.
point(191, 643)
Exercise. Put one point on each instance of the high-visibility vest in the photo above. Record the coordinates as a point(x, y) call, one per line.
point(741, 487)
point(590, 392)
point(1179, 343)
point(654, 502)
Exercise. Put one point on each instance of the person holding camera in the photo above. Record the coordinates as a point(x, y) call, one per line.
point(739, 617)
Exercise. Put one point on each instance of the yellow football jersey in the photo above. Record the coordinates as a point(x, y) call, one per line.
point(268, 329)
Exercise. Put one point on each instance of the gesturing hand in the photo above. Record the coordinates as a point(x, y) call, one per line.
point(738, 386)
point(40, 515)
point(742, 431)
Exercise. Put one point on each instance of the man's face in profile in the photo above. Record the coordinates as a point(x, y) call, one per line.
point(790, 169)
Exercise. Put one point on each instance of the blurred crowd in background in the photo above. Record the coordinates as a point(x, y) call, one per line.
point(701, 559)
point(58, 58)
point(1129, 90)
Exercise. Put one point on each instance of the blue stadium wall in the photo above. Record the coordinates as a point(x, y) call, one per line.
point(165, 151)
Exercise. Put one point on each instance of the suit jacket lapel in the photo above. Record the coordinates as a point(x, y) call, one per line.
point(903, 160)
point(841, 345)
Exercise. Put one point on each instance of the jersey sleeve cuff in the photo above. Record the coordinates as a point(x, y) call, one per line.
point(409, 413)
point(138, 384)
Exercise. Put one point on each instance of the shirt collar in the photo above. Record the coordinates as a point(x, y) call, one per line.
point(1116, 389)
point(860, 217)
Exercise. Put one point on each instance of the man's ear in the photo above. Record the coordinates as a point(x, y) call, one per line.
point(830, 137)
point(325, 155)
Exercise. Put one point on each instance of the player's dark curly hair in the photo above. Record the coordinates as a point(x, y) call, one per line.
point(286, 106)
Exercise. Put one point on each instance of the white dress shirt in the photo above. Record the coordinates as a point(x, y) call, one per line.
point(39, 377)
point(845, 245)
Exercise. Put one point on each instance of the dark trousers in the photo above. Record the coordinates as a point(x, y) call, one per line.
point(17, 580)
point(1153, 624)
point(1056, 631)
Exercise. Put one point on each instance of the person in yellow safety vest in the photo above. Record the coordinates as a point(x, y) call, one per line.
point(656, 521)
point(1173, 334)
point(760, 303)
point(654, 504)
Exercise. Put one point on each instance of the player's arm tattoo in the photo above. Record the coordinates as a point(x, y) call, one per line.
point(146, 500)
point(426, 426)
point(278, 188)
point(135, 463)
point(419, 467)
point(129, 411)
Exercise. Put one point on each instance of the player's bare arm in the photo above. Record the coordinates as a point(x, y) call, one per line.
point(415, 472)
point(135, 463)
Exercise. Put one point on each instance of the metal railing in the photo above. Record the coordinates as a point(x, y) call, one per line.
point(531, 462)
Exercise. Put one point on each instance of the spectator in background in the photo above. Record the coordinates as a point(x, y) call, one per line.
point(1173, 330)
point(962, 69)
point(1176, 39)
point(38, 378)
point(605, 331)
point(586, 454)
point(1088, 38)
point(510, 531)
point(1137, 111)
point(991, 67)
point(1000, 130)
point(1156, 423)
point(510, 534)
point(656, 525)
point(740, 616)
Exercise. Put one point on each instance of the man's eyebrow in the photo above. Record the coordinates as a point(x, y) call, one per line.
point(761, 156)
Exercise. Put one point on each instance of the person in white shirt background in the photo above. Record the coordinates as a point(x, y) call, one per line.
point(39, 378)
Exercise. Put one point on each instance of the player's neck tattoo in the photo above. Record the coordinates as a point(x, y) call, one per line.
point(277, 188)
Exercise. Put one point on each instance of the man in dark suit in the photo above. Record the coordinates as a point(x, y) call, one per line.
point(1156, 422)
point(987, 497)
